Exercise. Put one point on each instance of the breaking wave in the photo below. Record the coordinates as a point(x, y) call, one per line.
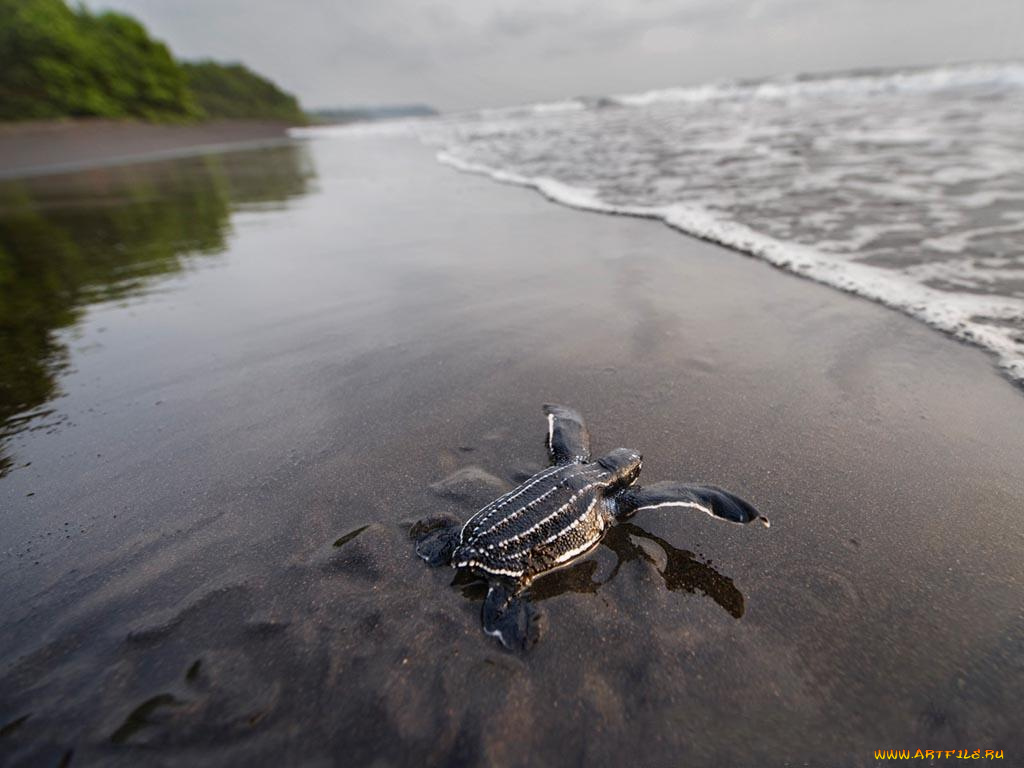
point(905, 186)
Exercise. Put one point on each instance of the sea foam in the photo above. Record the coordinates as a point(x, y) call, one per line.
point(905, 187)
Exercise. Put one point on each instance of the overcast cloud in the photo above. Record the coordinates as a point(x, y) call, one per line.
point(458, 54)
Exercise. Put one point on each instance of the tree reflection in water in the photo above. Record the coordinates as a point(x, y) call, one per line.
point(71, 240)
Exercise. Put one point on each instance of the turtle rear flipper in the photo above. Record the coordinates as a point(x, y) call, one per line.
point(511, 618)
point(436, 538)
point(709, 499)
point(568, 440)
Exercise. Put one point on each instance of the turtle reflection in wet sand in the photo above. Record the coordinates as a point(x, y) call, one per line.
point(553, 518)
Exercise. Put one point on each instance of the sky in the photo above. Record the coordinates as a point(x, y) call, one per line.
point(461, 54)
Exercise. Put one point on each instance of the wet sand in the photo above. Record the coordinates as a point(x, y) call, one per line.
point(33, 148)
point(213, 566)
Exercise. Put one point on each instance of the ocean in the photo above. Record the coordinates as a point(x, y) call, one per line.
point(902, 186)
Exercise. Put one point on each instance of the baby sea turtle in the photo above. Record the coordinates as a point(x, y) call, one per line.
point(554, 517)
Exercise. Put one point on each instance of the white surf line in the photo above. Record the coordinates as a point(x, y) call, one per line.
point(946, 312)
point(921, 80)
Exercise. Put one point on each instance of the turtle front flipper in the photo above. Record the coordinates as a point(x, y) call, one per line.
point(436, 538)
point(712, 501)
point(508, 616)
point(568, 441)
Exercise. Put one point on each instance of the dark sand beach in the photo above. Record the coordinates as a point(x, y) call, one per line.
point(262, 366)
point(30, 148)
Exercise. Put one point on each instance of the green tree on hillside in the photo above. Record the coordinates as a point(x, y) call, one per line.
point(139, 73)
point(234, 91)
point(55, 62)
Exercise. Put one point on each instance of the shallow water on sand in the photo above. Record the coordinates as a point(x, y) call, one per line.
point(904, 186)
point(230, 383)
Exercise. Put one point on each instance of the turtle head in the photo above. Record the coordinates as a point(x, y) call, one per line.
point(625, 465)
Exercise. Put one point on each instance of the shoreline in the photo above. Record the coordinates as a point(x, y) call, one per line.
point(208, 556)
point(951, 315)
point(39, 148)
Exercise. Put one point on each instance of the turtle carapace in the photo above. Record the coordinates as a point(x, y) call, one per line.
point(554, 517)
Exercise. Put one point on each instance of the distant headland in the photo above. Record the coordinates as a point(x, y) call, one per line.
point(364, 113)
